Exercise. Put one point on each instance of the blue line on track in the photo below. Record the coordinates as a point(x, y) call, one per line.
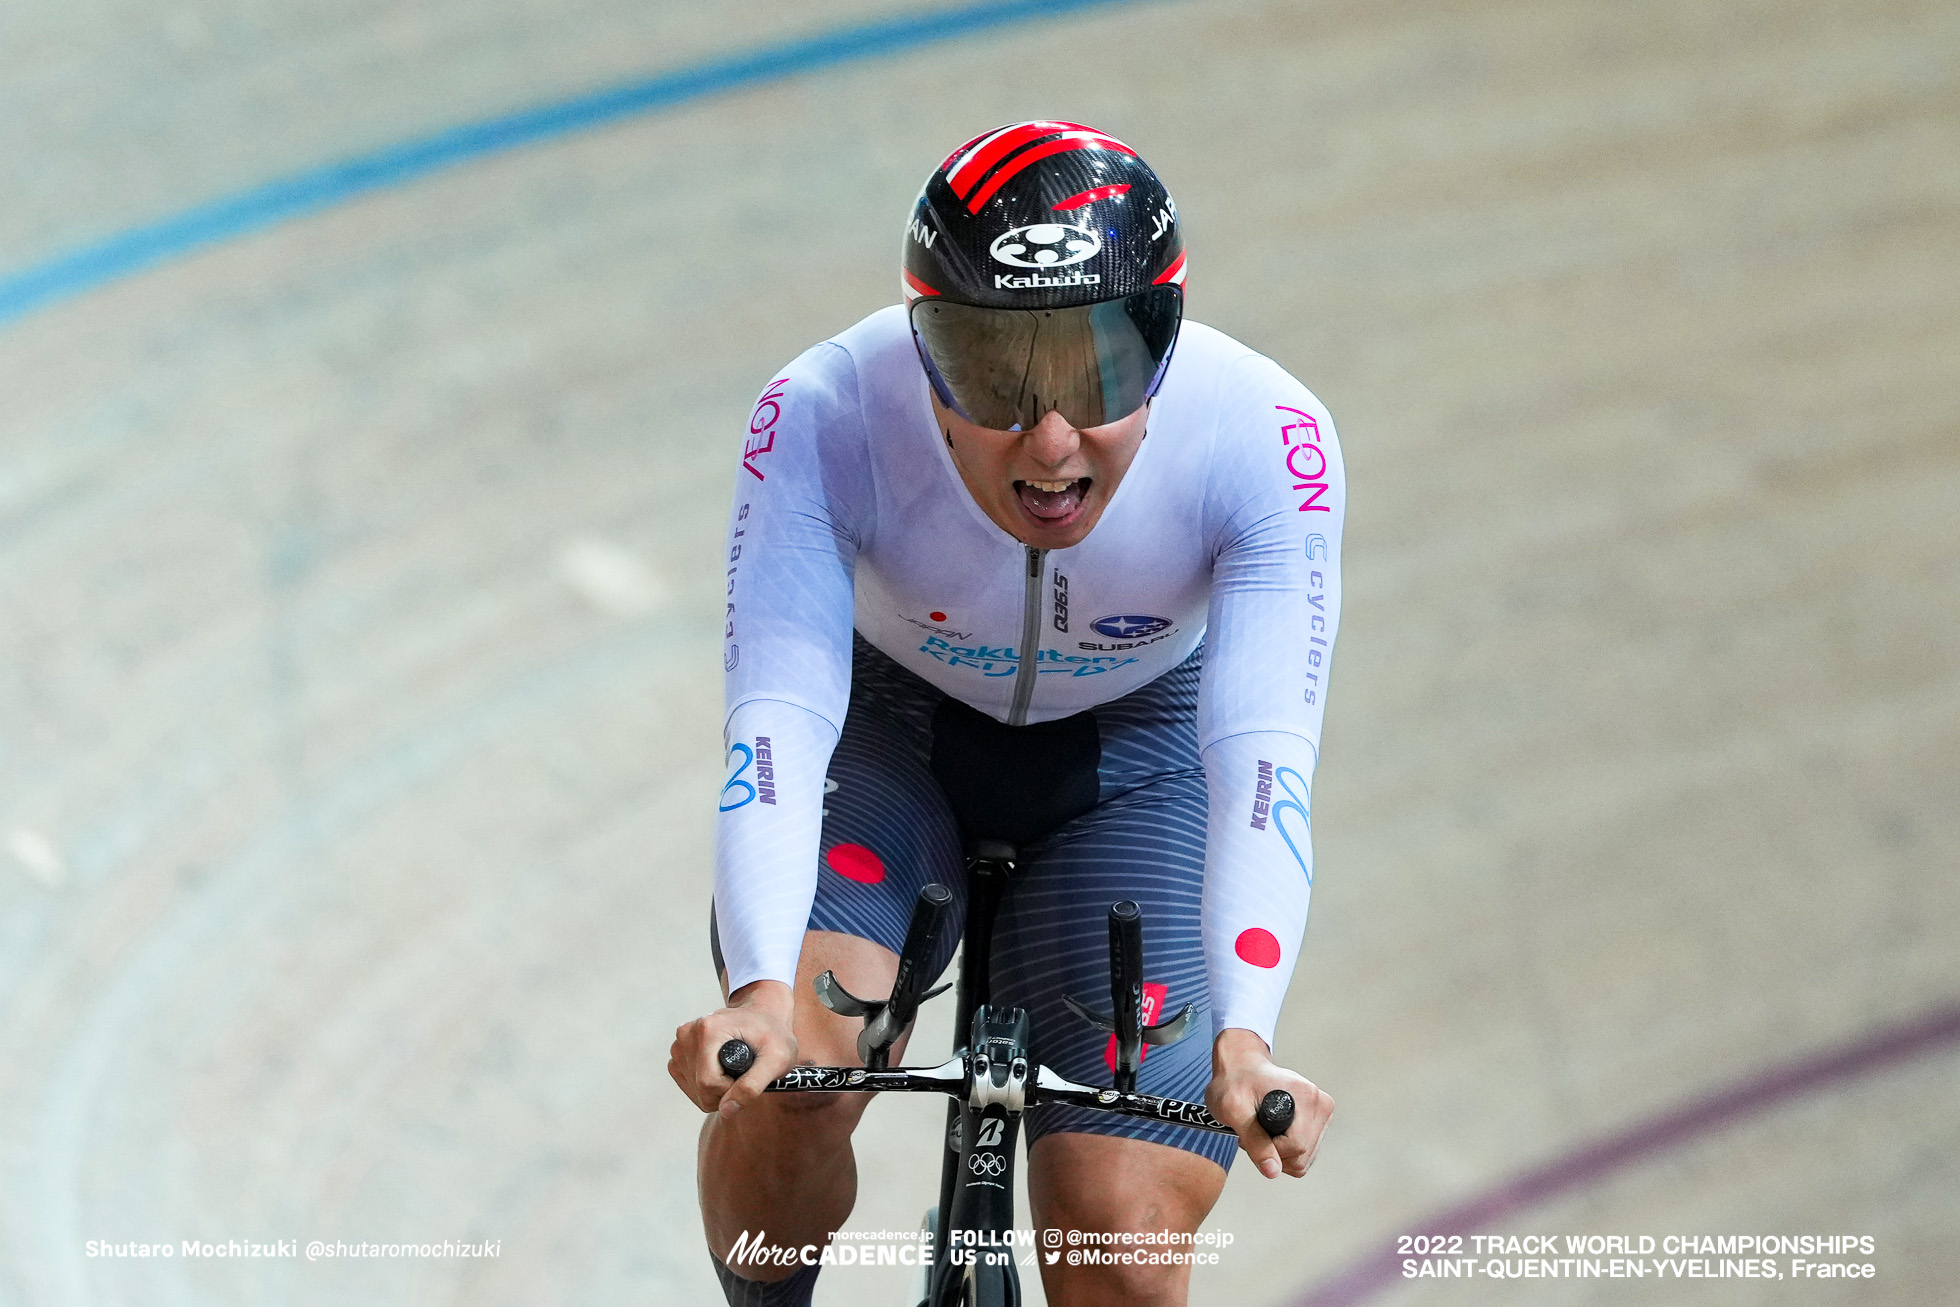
point(254, 210)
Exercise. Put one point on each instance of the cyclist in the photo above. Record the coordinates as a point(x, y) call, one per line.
point(1003, 565)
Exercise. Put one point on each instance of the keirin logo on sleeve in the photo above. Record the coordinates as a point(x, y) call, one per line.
point(744, 786)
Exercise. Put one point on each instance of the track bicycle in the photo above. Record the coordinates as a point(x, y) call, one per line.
point(991, 1078)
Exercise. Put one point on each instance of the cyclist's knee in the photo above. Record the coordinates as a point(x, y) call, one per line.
point(862, 967)
point(1112, 1184)
point(1128, 1285)
point(766, 1289)
point(806, 1119)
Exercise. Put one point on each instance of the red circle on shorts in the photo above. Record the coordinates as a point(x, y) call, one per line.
point(937, 617)
point(855, 862)
point(1258, 947)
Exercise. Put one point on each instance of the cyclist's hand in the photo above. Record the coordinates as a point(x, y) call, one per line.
point(760, 1013)
point(1242, 1073)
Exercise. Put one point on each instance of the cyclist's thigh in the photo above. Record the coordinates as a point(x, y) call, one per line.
point(887, 830)
point(1098, 1183)
point(863, 967)
point(824, 1038)
point(1145, 841)
point(1147, 846)
point(1092, 1185)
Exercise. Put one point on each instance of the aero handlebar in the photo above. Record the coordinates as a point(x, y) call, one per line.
point(1275, 1113)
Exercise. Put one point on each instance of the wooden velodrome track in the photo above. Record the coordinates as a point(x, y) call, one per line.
point(359, 600)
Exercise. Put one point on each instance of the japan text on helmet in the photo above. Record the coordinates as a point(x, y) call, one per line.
point(1043, 270)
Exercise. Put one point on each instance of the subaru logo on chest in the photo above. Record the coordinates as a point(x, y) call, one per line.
point(1130, 626)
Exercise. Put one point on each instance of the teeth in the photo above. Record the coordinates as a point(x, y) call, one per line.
point(1051, 487)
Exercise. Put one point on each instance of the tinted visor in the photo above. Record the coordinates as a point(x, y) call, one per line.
point(1003, 368)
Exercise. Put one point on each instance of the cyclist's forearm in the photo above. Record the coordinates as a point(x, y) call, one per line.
point(1258, 875)
point(774, 996)
point(767, 832)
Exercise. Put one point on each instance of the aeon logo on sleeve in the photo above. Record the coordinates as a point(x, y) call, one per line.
point(1130, 626)
point(762, 426)
point(1305, 459)
point(1045, 245)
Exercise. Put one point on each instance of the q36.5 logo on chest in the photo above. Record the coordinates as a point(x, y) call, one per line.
point(1045, 245)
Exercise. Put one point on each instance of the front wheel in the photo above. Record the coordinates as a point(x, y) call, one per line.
point(995, 1284)
point(931, 1227)
point(992, 1286)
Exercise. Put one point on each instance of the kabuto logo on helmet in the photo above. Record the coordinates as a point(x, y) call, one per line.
point(1045, 245)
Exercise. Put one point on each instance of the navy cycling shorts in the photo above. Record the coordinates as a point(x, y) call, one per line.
point(1106, 805)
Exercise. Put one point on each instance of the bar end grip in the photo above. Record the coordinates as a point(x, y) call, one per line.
point(736, 1057)
point(1276, 1113)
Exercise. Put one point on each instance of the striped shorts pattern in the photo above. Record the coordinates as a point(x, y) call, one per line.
point(889, 829)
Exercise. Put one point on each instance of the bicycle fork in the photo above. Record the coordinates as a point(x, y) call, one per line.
point(973, 1254)
point(976, 1198)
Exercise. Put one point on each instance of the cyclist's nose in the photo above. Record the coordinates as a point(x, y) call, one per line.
point(1052, 440)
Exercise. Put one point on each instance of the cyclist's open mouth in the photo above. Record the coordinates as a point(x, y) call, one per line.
point(1052, 502)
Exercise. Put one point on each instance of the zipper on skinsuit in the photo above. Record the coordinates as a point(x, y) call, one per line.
point(1025, 674)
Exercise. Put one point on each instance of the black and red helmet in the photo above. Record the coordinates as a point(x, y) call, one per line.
point(1043, 270)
